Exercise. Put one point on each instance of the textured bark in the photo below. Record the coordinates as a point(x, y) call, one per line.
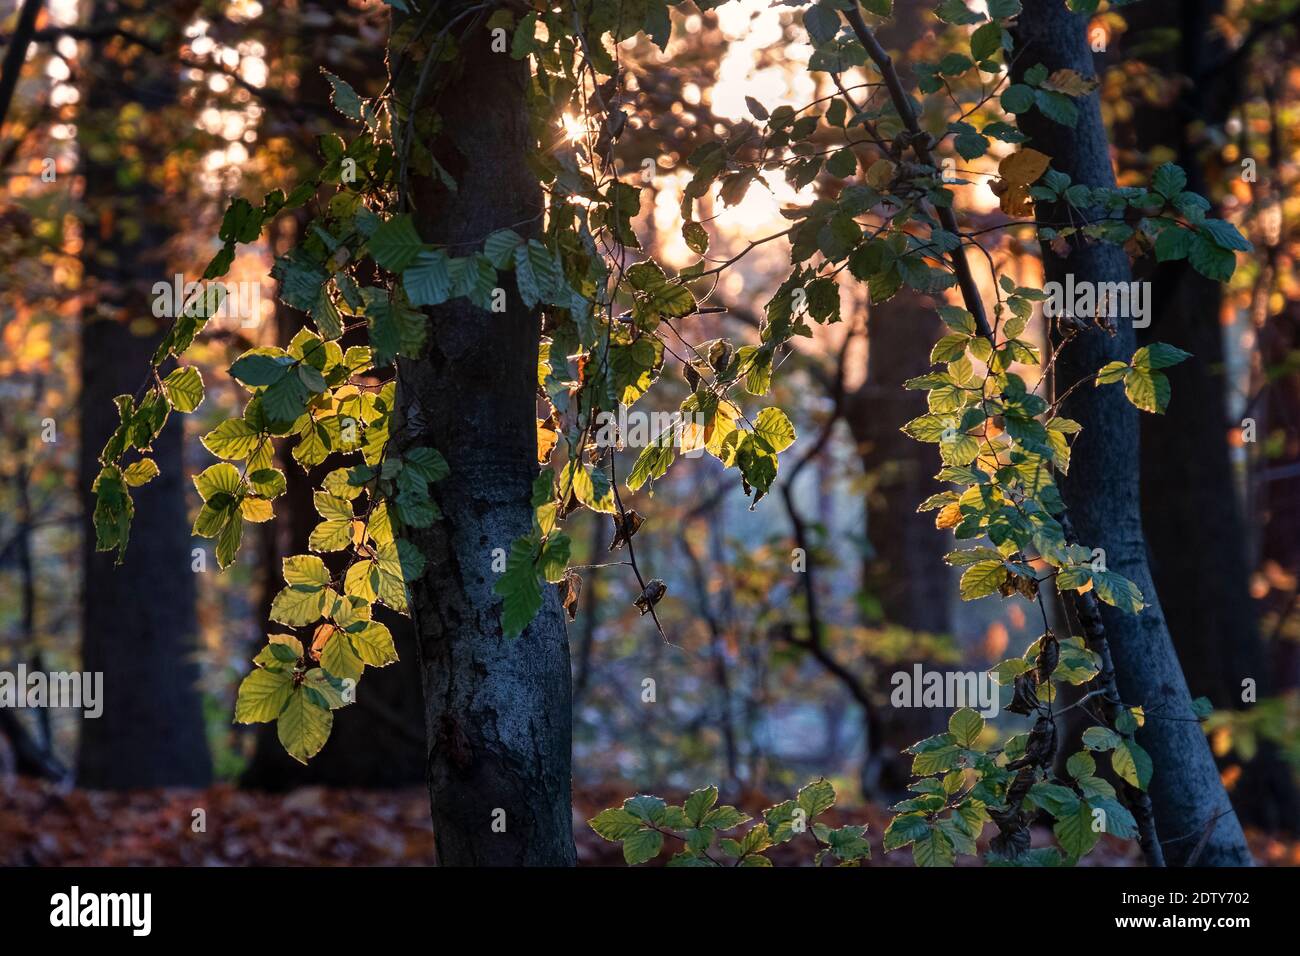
point(138, 618)
point(497, 710)
point(1102, 488)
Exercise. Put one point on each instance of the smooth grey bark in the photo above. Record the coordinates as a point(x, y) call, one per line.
point(497, 710)
point(1192, 812)
point(138, 619)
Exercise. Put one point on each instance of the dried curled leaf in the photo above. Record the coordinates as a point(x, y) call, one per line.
point(652, 595)
point(625, 525)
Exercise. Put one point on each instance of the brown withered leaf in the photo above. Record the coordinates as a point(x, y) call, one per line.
point(1024, 699)
point(1010, 843)
point(570, 588)
point(319, 638)
point(652, 595)
point(1041, 747)
point(1017, 790)
point(1019, 584)
point(1015, 201)
point(1049, 653)
point(625, 525)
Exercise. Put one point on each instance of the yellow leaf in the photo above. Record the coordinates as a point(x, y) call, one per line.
point(1070, 82)
point(880, 173)
point(546, 439)
point(949, 516)
point(1023, 166)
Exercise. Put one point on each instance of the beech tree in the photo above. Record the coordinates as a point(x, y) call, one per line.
point(479, 301)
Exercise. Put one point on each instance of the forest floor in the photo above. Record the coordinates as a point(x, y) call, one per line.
point(45, 825)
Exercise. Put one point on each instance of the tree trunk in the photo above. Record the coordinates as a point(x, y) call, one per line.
point(1191, 504)
point(1102, 488)
point(904, 572)
point(138, 619)
point(497, 710)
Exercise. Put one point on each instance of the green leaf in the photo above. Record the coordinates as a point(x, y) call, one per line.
point(615, 824)
point(949, 348)
point(304, 727)
point(140, 473)
point(1075, 833)
point(1225, 235)
point(184, 388)
point(234, 439)
point(696, 237)
point(1118, 591)
point(934, 849)
point(1017, 98)
point(537, 275)
point(724, 818)
point(373, 643)
point(1174, 242)
point(519, 588)
point(1147, 389)
point(1132, 763)
point(1169, 180)
point(966, 726)
point(262, 696)
point(642, 845)
point(1057, 107)
point(1100, 738)
point(395, 244)
point(427, 280)
point(956, 12)
point(257, 369)
point(816, 797)
point(985, 41)
point(904, 829)
point(343, 97)
point(1159, 355)
point(305, 570)
point(339, 659)
point(699, 803)
point(775, 428)
point(981, 579)
point(1211, 260)
point(658, 293)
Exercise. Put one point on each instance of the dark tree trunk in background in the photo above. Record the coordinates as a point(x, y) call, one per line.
point(1191, 507)
point(904, 579)
point(139, 624)
point(497, 710)
point(904, 569)
point(1102, 488)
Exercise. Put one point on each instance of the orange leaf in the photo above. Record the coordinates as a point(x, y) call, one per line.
point(1023, 166)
